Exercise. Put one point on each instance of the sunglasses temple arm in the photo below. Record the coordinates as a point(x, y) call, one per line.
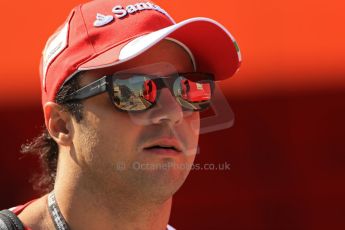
point(90, 90)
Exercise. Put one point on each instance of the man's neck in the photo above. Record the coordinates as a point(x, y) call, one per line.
point(98, 210)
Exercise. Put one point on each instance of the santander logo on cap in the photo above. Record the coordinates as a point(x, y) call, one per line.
point(102, 20)
point(120, 12)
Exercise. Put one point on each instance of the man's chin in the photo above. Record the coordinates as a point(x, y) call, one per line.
point(160, 185)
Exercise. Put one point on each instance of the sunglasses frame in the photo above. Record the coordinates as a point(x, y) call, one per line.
point(106, 84)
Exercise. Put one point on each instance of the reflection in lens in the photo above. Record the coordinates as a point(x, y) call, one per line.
point(150, 90)
point(134, 94)
point(195, 95)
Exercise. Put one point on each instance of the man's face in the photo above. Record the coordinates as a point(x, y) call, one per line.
point(111, 146)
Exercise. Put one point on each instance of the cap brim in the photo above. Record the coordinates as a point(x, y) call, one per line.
point(213, 47)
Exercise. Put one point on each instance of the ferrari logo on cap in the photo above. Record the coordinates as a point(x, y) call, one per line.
point(102, 20)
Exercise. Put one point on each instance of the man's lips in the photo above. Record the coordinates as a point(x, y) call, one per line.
point(164, 145)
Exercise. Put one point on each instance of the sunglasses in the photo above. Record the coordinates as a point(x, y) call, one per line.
point(139, 92)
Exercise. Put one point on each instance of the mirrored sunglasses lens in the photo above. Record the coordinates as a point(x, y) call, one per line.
point(134, 94)
point(193, 94)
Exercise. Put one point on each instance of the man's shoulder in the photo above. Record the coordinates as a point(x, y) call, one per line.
point(32, 214)
point(18, 209)
point(9, 217)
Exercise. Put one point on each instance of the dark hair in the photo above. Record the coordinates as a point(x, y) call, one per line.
point(44, 145)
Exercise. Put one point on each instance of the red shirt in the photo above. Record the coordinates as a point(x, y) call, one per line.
point(17, 210)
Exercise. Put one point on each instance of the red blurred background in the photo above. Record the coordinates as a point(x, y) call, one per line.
point(286, 150)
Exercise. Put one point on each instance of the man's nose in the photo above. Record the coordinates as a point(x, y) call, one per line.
point(167, 109)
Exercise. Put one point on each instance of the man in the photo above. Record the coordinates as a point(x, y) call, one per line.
point(120, 121)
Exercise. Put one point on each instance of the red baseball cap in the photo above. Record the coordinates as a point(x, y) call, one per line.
point(104, 33)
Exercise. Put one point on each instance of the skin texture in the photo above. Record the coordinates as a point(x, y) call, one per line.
point(98, 167)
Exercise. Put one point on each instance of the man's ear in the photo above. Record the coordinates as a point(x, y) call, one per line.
point(58, 122)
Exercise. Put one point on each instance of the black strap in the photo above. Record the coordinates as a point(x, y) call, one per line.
point(10, 221)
